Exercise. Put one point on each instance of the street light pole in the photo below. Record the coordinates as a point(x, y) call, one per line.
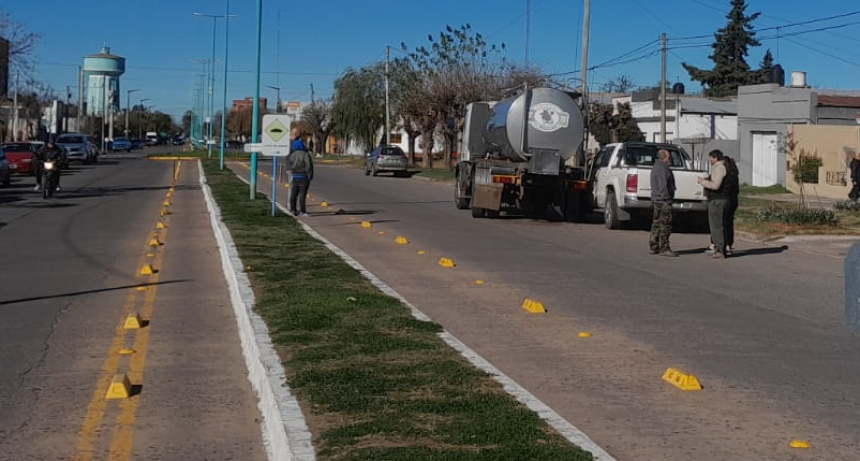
point(128, 108)
point(277, 97)
point(224, 102)
point(210, 125)
point(255, 123)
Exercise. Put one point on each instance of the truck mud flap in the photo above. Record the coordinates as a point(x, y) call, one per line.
point(487, 196)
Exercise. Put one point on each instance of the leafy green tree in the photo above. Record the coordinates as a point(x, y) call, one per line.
point(730, 49)
point(359, 105)
point(609, 125)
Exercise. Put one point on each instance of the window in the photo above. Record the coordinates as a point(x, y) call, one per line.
point(646, 155)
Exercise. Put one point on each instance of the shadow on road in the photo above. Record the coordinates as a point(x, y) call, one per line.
point(87, 292)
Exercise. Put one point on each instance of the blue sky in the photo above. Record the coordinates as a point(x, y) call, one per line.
point(318, 40)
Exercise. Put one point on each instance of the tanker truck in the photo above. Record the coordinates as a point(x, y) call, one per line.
point(523, 156)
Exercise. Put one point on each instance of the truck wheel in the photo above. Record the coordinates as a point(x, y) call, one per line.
point(478, 212)
point(373, 172)
point(610, 212)
point(492, 214)
point(366, 171)
point(462, 203)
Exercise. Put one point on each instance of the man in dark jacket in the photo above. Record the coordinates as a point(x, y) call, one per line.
point(662, 194)
point(52, 152)
point(301, 165)
point(855, 177)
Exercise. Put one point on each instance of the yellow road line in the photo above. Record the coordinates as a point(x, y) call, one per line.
point(89, 432)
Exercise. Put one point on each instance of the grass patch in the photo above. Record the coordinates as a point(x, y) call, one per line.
point(752, 190)
point(436, 174)
point(375, 383)
point(767, 219)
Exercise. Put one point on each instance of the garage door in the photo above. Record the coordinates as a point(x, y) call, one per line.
point(764, 161)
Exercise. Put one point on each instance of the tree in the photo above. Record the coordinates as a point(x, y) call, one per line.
point(609, 125)
point(239, 121)
point(622, 84)
point(358, 110)
point(21, 43)
point(763, 75)
point(318, 117)
point(730, 49)
point(186, 121)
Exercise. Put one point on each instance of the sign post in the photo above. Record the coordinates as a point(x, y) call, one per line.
point(275, 143)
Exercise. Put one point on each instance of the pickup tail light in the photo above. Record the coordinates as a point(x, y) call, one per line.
point(504, 179)
point(632, 183)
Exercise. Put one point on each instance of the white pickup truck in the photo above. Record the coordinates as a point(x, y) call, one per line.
point(621, 175)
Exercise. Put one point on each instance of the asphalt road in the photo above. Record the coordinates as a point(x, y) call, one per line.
point(71, 274)
point(763, 331)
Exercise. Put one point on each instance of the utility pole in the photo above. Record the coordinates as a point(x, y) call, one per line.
point(586, 24)
point(66, 109)
point(80, 118)
point(312, 94)
point(387, 132)
point(128, 108)
point(663, 42)
point(528, 27)
point(15, 110)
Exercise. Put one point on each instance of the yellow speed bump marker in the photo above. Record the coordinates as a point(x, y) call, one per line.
point(381, 232)
point(446, 262)
point(421, 252)
point(166, 203)
point(147, 269)
point(324, 204)
point(799, 444)
point(366, 224)
point(132, 322)
point(126, 351)
point(160, 225)
point(164, 212)
point(681, 379)
point(400, 240)
point(479, 282)
point(154, 242)
point(533, 307)
point(150, 255)
point(584, 334)
point(120, 387)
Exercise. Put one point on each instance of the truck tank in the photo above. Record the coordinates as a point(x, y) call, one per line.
point(554, 124)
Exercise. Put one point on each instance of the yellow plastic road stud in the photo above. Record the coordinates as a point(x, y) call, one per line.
point(381, 232)
point(584, 334)
point(166, 203)
point(150, 255)
point(479, 282)
point(799, 444)
point(160, 225)
point(141, 288)
point(421, 252)
point(400, 240)
point(132, 322)
point(154, 242)
point(147, 269)
point(366, 224)
point(120, 387)
point(164, 212)
point(446, 262)
point(324, 204)
point(533, 307)
point(681, 379)
point(126, 351)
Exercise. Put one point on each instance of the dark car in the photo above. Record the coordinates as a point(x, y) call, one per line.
point(121, 144)
point(233, 144)
point(386, 158)
point(21, 157)
point(136, 143)
point(178, 140)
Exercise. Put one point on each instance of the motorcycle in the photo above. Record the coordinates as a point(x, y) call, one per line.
point(50, 176)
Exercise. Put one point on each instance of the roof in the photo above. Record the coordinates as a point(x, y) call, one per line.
point(838, 100)
point(709, 106)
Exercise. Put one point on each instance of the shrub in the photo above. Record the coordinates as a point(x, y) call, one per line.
point(805, 169)
point(798, 215)
point(847, 205)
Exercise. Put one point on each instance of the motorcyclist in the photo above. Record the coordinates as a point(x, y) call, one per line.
point(51, 151)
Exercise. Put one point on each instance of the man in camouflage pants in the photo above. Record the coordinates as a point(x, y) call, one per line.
point(662, 194)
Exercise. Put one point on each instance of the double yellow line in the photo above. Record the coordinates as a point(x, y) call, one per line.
point(123, 428)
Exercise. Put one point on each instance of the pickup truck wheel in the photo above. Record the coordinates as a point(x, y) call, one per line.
point(610, 212)
point(461, 202)
point(492, 214)
point(478, 212)
point(373, 171)
point(366, 171)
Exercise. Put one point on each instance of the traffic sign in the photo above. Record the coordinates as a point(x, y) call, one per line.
point(267, 150)
point(276, 131)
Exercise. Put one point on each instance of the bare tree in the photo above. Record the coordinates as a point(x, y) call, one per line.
point(22, 43)
point(318, 116)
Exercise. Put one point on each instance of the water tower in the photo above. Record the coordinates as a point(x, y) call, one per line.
point(102, 72)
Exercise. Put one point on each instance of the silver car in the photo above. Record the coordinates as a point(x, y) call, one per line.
point(77, 147)
point(386, 158)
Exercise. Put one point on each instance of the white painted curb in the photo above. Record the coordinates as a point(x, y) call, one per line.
point(564, 427)
point(285, 433)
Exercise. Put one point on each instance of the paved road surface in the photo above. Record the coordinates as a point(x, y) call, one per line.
point(70, 275)
point(763, 331)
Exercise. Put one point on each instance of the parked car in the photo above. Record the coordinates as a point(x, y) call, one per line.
point(21, 157)
point(178, 140)
point(136, 143)
point(4, 169)
point(121, 144)
point(387, 158)
point(77, 147)
point(234, 144)
point(64, 156)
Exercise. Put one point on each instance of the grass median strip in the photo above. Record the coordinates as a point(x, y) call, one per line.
point(374, 382)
